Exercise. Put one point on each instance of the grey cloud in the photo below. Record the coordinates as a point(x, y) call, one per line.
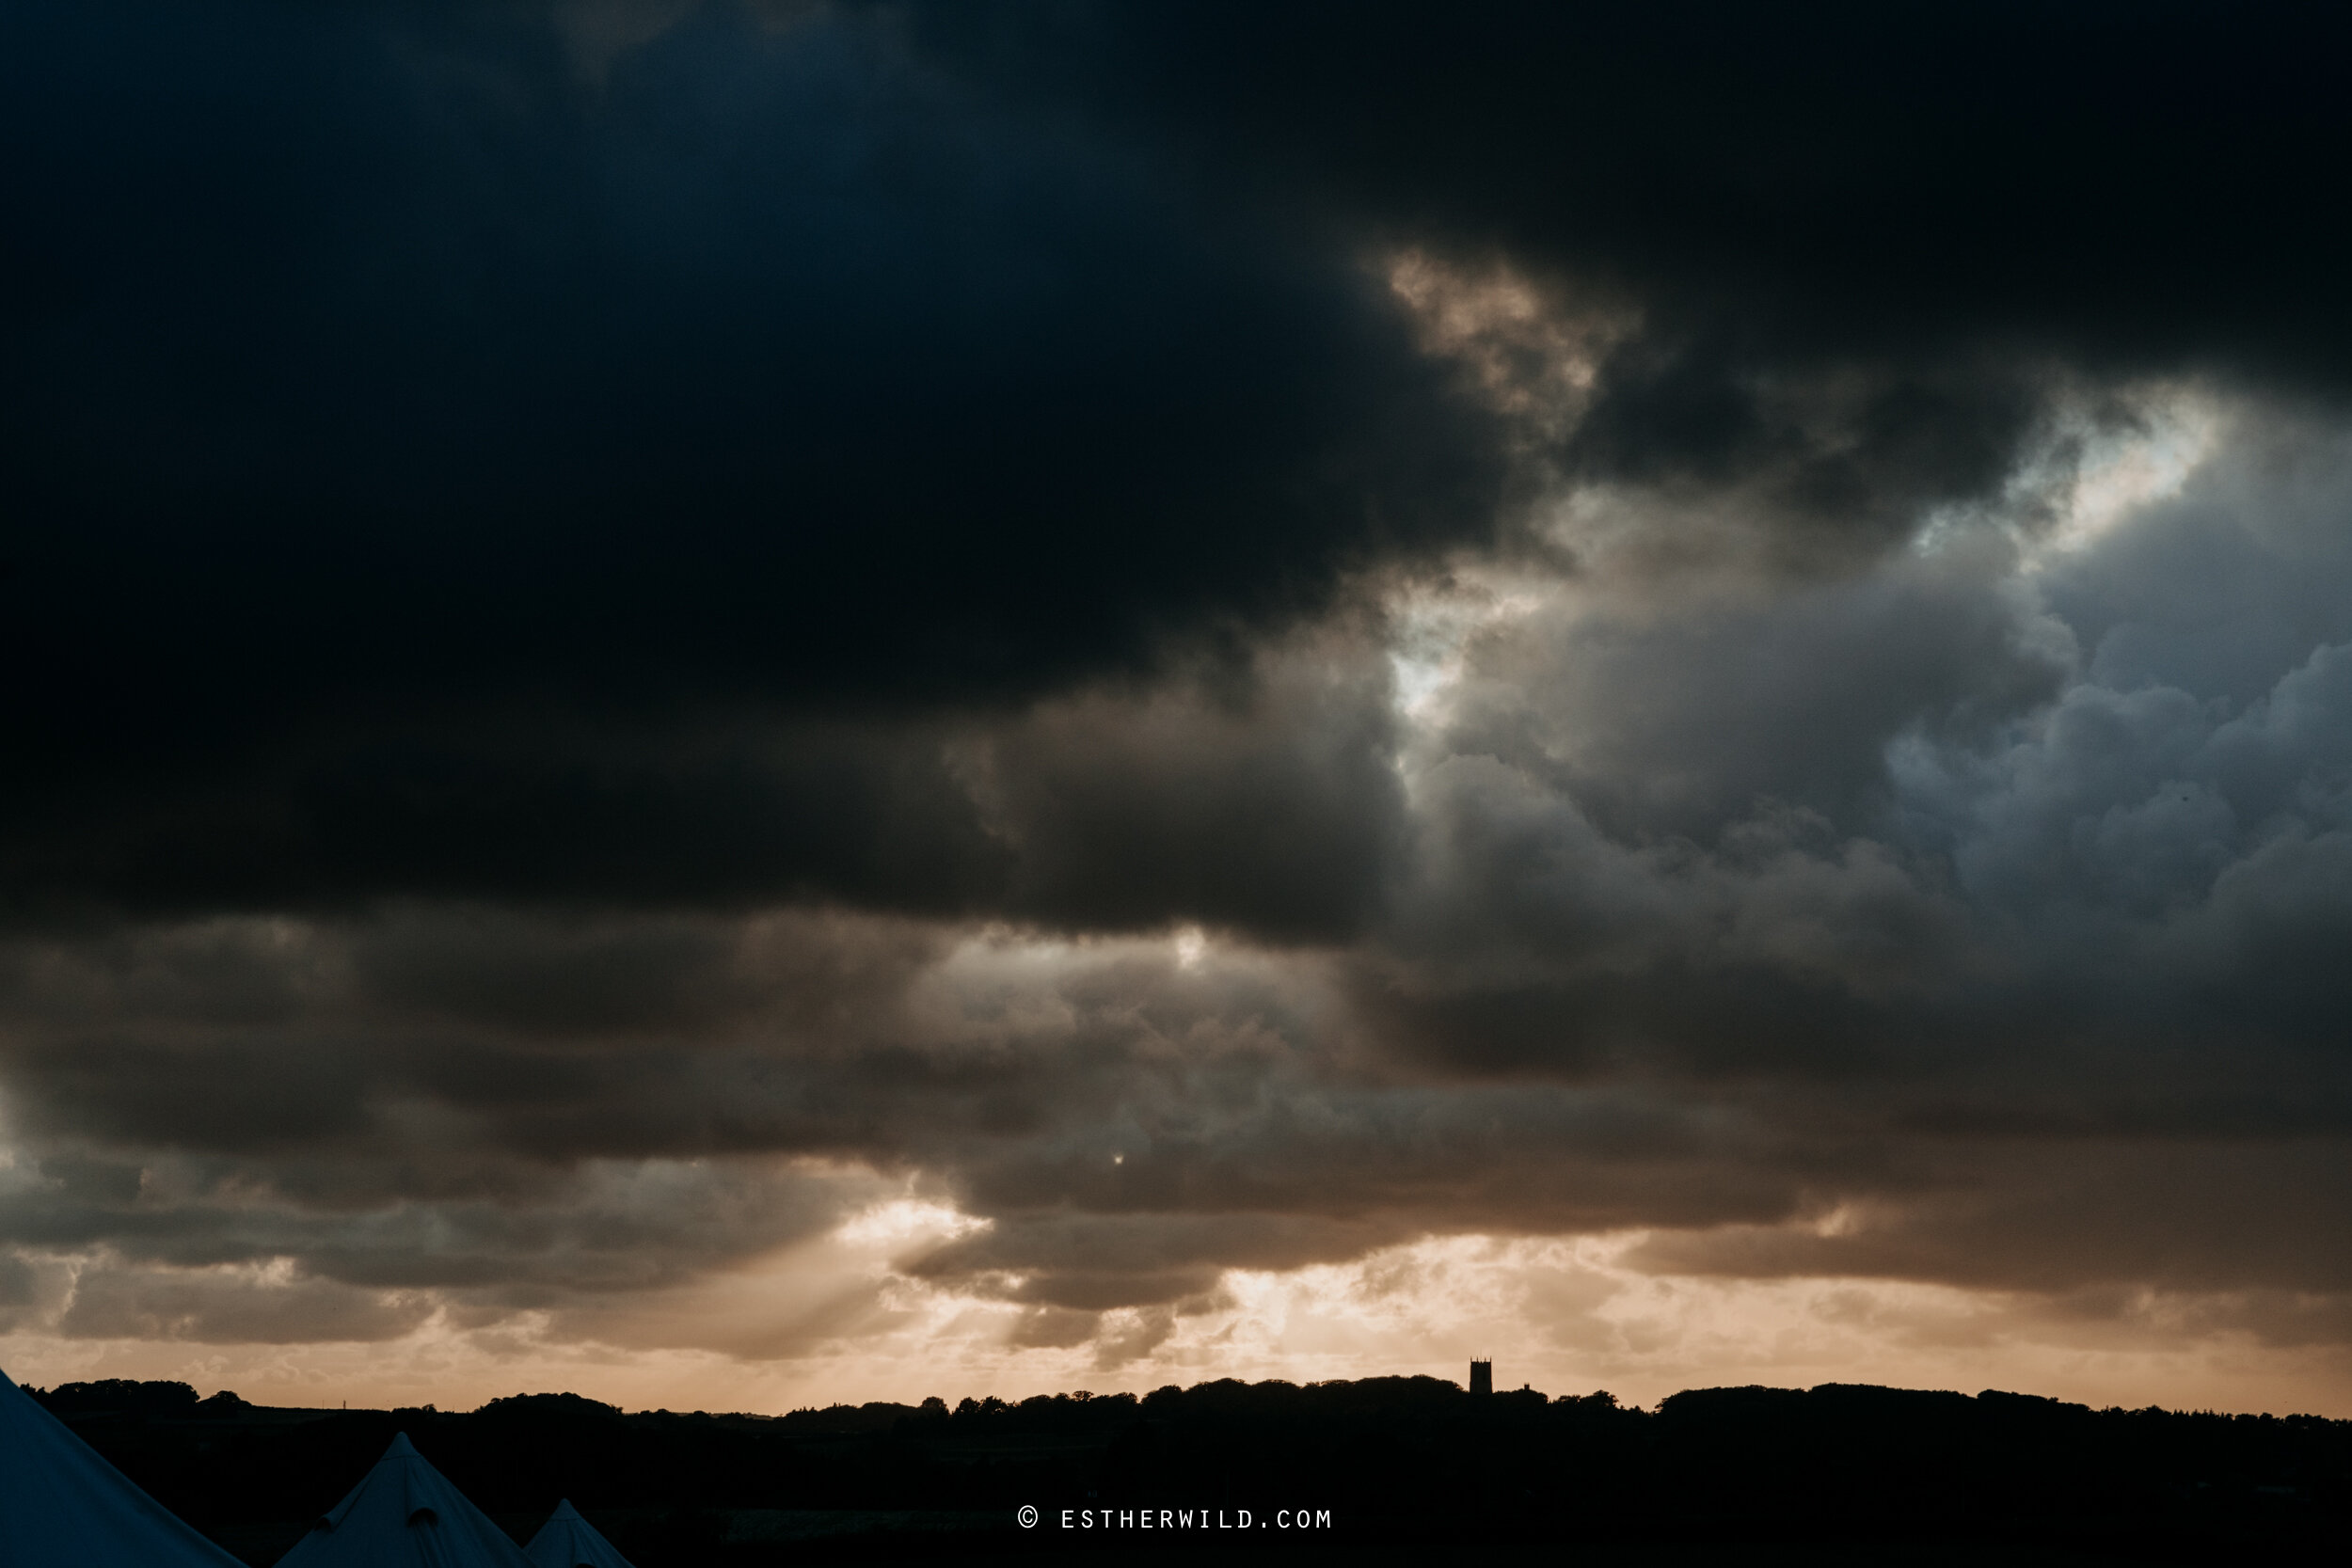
point(114, 1303)
point(1675, 718)
point(470, 1170)
point(2220, 590)
point(18, 1282)
point(2183, 1214)
point(238, 1262)
point(244, 1094)
point(603, 1229)
point(1268, 800)
point(1140, 1337)
point(34, 1289)
point(1055, 1328)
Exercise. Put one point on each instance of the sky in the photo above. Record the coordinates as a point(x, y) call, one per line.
point(741, 704)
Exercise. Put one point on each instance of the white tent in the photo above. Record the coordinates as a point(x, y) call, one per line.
point(61, 1503)
point(404, 1514)
point(568, 1541)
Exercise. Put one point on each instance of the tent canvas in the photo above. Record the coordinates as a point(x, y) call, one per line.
point(404, 1514)
point(61, 1503)
point(568, 1541)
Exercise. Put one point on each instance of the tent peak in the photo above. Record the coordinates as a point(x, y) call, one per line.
point(568, 1541)
point(404, 1514)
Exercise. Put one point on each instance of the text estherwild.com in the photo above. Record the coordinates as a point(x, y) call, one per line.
point(1184, 1518)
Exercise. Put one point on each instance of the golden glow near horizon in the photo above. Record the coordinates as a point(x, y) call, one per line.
point(833, 1320)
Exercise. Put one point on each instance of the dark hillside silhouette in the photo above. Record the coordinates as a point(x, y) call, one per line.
point(1402, 1462)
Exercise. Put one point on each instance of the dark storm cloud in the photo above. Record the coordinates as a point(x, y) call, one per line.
point(400, 417)
point(448, 434)
point(1257, 792)
point(1860, 241)
point(2132, 185)
point(1226, 637)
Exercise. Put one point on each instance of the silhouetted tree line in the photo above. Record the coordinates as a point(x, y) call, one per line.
point(1397, 1460)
